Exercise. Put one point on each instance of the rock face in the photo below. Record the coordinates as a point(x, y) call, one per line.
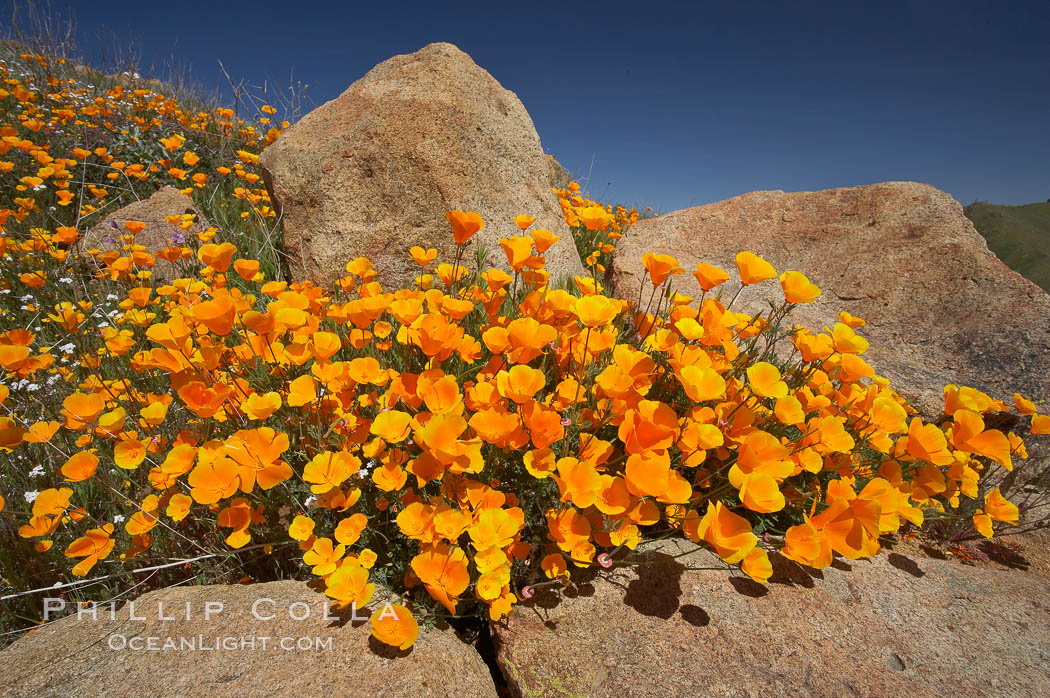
point(940, 307)
point(885, 626)
point(373, 172)
point(559, 176)
point(166, 201)
point(89, 658)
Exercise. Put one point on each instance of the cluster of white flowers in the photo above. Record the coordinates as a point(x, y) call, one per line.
point(25, 384)
point(372, 464)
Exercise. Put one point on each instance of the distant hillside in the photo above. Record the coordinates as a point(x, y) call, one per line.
point(1018, 235)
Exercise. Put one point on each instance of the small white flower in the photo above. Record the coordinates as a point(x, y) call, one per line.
point(37, 471)
point(68, 348)
point(118, 518)
point(31, 496)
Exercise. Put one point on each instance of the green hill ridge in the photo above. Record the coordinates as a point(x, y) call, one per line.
point(1018, 235)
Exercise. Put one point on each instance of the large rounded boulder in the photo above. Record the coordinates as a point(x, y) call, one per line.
point(940, 307)
point(373, 172)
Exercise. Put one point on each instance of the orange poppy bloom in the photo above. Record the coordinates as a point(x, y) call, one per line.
point(764, 379)
point(349, 585)
point(518, 250)
point(660, 266)
point(94, 546)
point(753, 269)
point(729, 534)
point(464, 225)
point(709, 277)
point(213, 481)
point(217, 256)
point(329, 469)
point(544, 239)
point(423, 257)
point(520, 383)
point(80, 466)
point(797, 288)
point(443, 571)
point(595, 311)
point(246, 268)
point(394, 625)
point(650, 426)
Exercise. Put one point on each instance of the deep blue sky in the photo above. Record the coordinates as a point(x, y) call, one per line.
point(678, 104)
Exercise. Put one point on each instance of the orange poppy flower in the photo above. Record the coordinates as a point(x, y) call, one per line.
point(301, 528)
point(709, 277)
point(329, 469)
point(394, 625)
point(524, 221)
point(247, 269)
point(217, 315)
point(926, 442)
point(797, 288)
point(847, 341)
point(595, 311)
point(464, 225)
point(1041, 424)
point(544, 239)
point(94, 546)
point(999, 508)
point(518, 250)
point(753, 269)
point(808, 545)
point(217, 257)
point(443, 571)
point(423, 257)
point(349, 585)
point(213, 481)
point(391, 425)
point(202, 400)
point(729, 534)
point(660, 266)
point(520, 383)
point(650, 426)
point(969, 434)
point(80, 466)
point(764, 379)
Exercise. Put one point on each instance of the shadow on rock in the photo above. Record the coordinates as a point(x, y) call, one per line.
point(748, 587)
point(694, 615)
point(838, 564)
point(789, 572)
point(905, 564)
point(657, 591)
point(387, 651)
point(1003, 554)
